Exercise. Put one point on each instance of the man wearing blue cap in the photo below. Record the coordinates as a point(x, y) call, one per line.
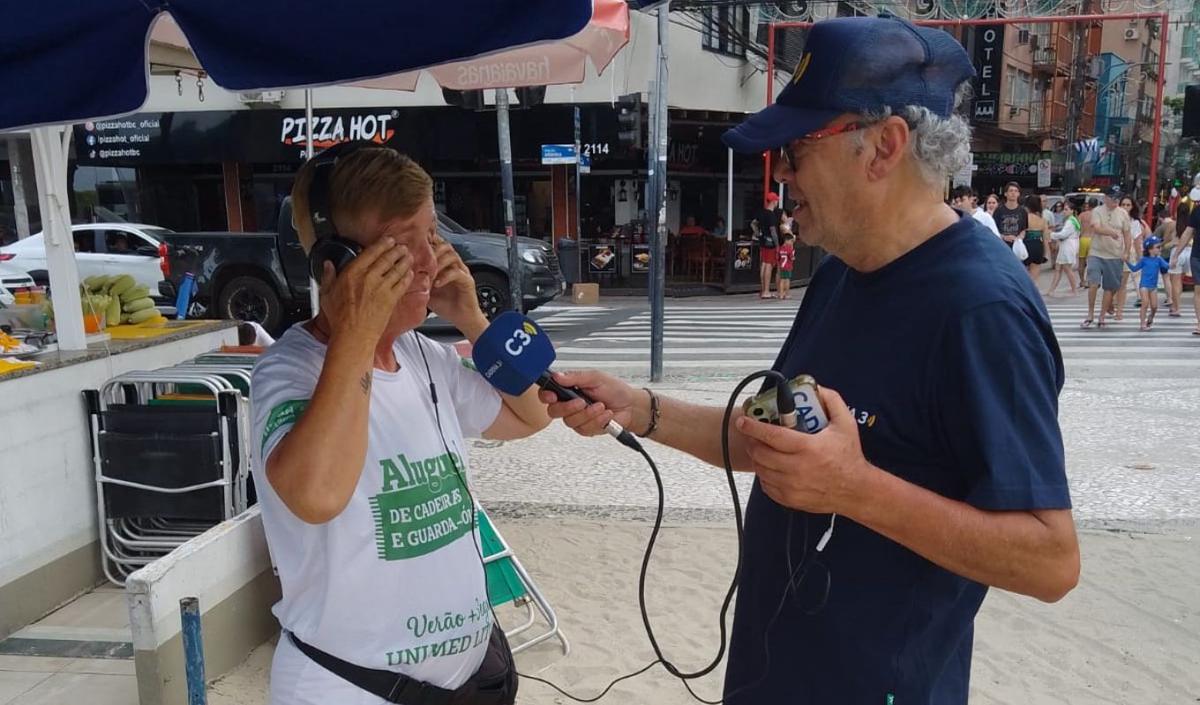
point(943, 457)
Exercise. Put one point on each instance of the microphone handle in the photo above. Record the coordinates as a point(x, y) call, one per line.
point(614, 429)
point(564, 393)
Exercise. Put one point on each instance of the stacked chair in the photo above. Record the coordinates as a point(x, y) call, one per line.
point(172, 456)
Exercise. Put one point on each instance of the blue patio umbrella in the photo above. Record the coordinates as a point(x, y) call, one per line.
point(67, 61)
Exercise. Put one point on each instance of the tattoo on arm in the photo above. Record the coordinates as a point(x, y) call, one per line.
point(365, 382)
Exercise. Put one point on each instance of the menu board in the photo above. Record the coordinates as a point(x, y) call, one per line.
point(602, 259)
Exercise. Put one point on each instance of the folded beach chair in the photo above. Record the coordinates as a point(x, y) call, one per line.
point(509, 583)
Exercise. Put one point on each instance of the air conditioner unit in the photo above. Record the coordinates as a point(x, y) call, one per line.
point(1131, 33)
point(260, 97)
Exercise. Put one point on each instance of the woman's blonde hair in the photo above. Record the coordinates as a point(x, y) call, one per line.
point(371, 182)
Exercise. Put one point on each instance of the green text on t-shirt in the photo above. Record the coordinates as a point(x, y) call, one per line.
point(422, 507)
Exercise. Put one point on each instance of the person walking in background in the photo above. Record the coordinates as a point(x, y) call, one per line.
point(1011, 218)
point(1085, 237)
point(1180, 259)
point(1186, 248)
point(1150, 265)
point(1057, 215)
point(1138, 230)
point(1035, 236)
point(1048, 216)
point(787, 260)
point(991, 204)
point(1055, 220)
point(1067, 239)
point(965, 199)
point(1106, 257)
point(768, 243)
point(1164, 230)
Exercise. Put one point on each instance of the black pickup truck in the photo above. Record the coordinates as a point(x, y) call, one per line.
point(263, 277)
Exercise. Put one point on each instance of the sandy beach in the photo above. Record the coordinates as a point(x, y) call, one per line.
point(1129, 634)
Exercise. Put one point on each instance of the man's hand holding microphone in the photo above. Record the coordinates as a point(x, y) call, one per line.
point(810, 472)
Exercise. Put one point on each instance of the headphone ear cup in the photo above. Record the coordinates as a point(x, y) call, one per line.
point(337, 250)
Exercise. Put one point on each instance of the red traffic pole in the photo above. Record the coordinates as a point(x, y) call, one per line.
point(770, 100)
point(1152, 192)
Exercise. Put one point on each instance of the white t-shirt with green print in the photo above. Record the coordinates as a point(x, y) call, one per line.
point(394, 581)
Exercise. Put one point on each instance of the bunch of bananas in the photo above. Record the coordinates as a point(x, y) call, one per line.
point(120, 299)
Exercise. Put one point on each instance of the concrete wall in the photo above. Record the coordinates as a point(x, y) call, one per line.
point(48, 520)
point(700, 80)
point(229, 570)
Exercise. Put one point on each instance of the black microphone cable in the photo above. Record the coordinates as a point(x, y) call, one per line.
point(786, 406)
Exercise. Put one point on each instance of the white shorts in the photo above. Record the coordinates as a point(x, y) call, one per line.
point(298, 680)
point(1183, 264)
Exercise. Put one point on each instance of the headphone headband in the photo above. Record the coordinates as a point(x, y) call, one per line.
point(324, 163)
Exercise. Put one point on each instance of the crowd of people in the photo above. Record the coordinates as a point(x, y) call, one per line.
point(1098, 245)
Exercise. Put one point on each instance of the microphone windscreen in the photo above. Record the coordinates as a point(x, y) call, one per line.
point(512, 353)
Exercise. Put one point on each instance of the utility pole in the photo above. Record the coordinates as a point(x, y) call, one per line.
point(506, 188)
point(578, 172)
point(657, 182)
point(1075, 105)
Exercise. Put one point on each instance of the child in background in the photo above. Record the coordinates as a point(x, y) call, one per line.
point(787, 259)
point(1151, 265)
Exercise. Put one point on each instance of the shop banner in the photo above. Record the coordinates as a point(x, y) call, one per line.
point(1009, 163)
point(989, 63)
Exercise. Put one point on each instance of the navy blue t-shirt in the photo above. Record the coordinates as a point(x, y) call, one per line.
point(949, 362)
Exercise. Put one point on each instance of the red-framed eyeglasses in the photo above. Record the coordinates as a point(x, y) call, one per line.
point(785, 152)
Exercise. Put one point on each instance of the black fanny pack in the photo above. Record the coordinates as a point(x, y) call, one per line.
point(495, 683)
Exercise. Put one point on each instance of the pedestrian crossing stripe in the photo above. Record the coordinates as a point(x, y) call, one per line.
point(732, 340)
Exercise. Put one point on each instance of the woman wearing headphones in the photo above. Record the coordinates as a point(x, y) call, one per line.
point(359, 427)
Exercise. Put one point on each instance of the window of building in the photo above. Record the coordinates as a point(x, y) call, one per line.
point(1019, 91)
point(726, 30)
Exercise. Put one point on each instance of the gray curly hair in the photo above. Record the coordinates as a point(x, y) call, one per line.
point(940, 145)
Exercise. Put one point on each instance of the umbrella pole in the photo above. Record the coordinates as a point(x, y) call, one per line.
point(50, 169)
point(506, 188)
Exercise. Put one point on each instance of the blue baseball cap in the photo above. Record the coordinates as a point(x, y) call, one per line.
point(855, 65)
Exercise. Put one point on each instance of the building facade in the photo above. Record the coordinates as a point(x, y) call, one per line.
point(1126, 93)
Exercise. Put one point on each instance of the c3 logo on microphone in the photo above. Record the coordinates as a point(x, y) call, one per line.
point(521, 338)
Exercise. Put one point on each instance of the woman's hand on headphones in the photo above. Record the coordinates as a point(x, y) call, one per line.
point(453, 293)
point(360, 300)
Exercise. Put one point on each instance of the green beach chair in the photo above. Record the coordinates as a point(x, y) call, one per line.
point(509, 583)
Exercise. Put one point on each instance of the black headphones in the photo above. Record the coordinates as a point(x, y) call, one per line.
point(329, 246)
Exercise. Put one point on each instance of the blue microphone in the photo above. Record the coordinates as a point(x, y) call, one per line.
point(514, 353)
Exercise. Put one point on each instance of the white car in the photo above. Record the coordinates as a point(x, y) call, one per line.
point(100, 248)
point(12, 278)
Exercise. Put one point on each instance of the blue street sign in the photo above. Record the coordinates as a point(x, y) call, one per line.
point(585, 164)
point(558, 154)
